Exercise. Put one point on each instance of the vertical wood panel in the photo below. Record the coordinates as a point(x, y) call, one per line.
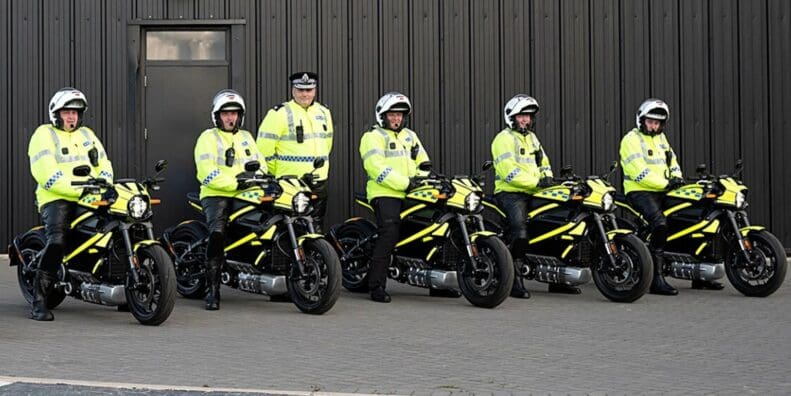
point(6, 173)
point(246, 9)
point(693, 107)
point(724, 93)
point(89, 71)
point(779, 117)
point(576, 79)
point(456, 103)
point(426, 76)
point(394, 46)
point(29, 106)
point(303, 35)
point(364, 76)
point(216, 9)
point(180, 9)
point(272, 75)
point(606, 86)
point(547, 77)
point(334, 88)
point(485, 90)
point(664, 67)
point(150, 9)
point(515, 44)
point(754, 104)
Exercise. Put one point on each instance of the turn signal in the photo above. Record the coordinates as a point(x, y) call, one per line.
point(577, 197)
point(711, 195)
point(267, 198)
point(440, 196)
point(155, 201)
point(100, 203)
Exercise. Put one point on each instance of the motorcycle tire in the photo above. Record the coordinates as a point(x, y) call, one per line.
point(184, 235)
point(764, 278)
point(151, 300)
point(355, 271)
point(31, 244)
point(316, 291)
point(487, 282)
point(632, 282)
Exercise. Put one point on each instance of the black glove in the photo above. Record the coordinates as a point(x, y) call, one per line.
point(110, 195)
point(413, 183)
point(545, 182)
point(675, 183)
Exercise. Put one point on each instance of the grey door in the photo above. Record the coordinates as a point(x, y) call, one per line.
point(181, 78)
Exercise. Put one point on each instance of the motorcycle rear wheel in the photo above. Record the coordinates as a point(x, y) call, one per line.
point(30, 245)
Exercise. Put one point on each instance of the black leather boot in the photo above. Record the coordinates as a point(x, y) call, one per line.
point(563, 289)
point(380, 295)
point(42, 284)
point(707, 285)
point(659, 285)
point(213, 283)
point(518, 289)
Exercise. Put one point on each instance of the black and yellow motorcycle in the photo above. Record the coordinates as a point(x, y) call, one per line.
point(112, 257)
point(445, 245)
point(710, 235)
point(573, 237)
point(272, 246)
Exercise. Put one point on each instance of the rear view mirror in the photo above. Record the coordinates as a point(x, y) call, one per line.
point(425, 166)
point(161, 165)
point(318, 163)
point(566, 171)
point(701, 169)
point(487, 165)
point(82, 170)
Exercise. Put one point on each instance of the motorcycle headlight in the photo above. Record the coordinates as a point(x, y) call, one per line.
point(300, 203)
point(137, 207)
point(741, 199)
point(472, 202)
point(607, 202)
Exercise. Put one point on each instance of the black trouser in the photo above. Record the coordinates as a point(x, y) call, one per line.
point(320, 204)
point(216, 210)
point(515, 206)
point(649, 204)
point(56, 217)
point(388, 221)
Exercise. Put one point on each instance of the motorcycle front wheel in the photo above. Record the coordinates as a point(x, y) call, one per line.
point(631, 276)
point(763, 274)
point(486, 280)
point(152, 298)
point(317, 289)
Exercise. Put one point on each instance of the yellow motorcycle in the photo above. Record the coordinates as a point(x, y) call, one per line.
point(273, 248)
point(710, 235)
point(445, 245)
point(111, 257)
point(573, 237)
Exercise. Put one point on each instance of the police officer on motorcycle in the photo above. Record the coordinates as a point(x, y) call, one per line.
point(522, 168)
point(390, 154)
point(220, 156)
point(55, 150)
point(293, 134)
point(651, 169)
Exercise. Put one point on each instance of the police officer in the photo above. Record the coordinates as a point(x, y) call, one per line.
point(295, 133)
point(55, 150)
point(522, 168)
point(648, 175)
point(390, 154)
point(220, 156)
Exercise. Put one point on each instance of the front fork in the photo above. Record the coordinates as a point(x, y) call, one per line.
point(744, 245)
point(299, 253)
point(130, 252)
point(472, 251)
point(608, 246)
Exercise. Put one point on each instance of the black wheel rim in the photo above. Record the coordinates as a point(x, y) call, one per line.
point(147, 292)
point(761, 267)
point(355, 267)
point(625, 275)
point(311, 286)
point(482, 275)
point(188, 265)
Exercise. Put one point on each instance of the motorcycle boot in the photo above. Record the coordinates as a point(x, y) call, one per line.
point(380, 295)
point(518, 289)
point(213, 283)
point(659, 285)
point(707, 285)
point(42, 285)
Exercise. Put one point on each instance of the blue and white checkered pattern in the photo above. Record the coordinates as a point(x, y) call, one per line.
point(384, 174)
point(211, 177)
point(512, 175)
point(53, 179)
point(642, 175)
point(105, 174)
point(294, 158)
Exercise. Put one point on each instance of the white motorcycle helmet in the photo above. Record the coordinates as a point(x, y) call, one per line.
point(520, 104)
point(655, 109)
point(227, 100)
point(392, 101)
point(67, 98)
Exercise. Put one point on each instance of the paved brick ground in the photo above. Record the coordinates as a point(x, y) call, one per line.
point(699, 342)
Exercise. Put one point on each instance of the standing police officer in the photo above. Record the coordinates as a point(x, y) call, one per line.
point(390, 155)
point(55, 150)
point(295, 133)
point(220, 156)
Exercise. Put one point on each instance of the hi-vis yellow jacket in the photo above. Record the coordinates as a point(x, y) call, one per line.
point(644, 163)
point(54, 153)
point(279, 140)
point(514, 157)
point(388, 162)
point(217, 179)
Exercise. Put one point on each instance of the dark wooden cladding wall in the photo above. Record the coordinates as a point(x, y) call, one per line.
point(722, 65)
